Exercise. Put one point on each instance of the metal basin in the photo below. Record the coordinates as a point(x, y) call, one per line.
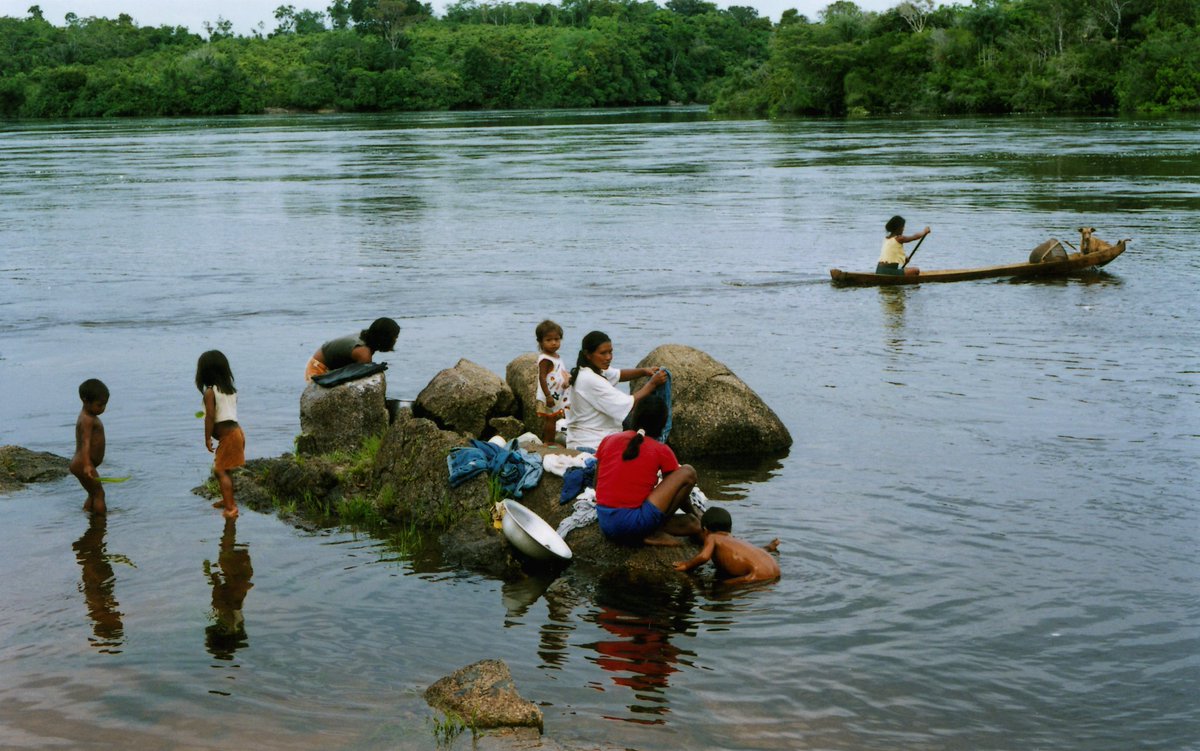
point(531, 535)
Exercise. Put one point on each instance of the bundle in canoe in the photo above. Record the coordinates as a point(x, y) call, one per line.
point(1071, 264)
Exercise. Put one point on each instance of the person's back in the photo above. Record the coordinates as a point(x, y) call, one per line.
point(737, 561)
point(741, 560)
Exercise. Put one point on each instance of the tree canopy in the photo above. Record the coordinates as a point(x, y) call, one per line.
point(992, 56)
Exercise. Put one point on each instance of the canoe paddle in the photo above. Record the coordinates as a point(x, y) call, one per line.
point(910, 255)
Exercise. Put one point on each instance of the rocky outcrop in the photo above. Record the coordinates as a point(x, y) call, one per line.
point(473, 543)
point(411, 463)
point(464, 398)
point(521, 376)
point(407, 479)
point(20, 466)
point(484, 696)
point(339, 418)
point(714, 413)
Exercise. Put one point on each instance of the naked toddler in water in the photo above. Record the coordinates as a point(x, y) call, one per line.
point(89, 443)
point(737, 561)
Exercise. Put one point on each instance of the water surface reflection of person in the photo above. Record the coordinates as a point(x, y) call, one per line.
point(230, 582)
point(97, 586)
point(642, 656)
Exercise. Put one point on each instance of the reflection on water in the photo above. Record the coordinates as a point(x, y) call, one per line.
point(956, 545)
point(97, 586)
point(230, 582)
point(642, 618)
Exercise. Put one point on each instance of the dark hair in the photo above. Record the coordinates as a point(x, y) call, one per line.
point(894, 225)
point(717, 519)
point(591, 342)
point(93, 390)
point(212, 369)
point(649, 419)
point(381, 335)
point(547, 327)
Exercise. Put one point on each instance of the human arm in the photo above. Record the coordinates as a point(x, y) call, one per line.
point(544, 369)
point(914, 236)
point(361, 353)
point(210, 411)
point(704, 556)
point(657, 378)
point(628, 374)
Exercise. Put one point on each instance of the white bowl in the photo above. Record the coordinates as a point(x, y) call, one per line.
point(531, 535)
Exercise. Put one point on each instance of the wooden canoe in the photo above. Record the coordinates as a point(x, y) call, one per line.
point(1074, 263)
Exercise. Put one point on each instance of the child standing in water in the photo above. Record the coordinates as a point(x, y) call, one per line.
point(89, 443)
point(736, 560)
point(215, 381)
point(553, 379)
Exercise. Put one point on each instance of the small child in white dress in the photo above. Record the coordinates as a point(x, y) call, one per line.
point(553, 379)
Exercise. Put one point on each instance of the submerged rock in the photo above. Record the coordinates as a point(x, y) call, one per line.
point(483, 695)
point(714, 413)
point(20, 466)
point(339, 418)
point(464, 398)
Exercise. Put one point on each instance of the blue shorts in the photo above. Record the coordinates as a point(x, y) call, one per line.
point(630, 524)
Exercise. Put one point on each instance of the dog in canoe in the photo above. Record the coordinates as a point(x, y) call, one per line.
point(1089, 243)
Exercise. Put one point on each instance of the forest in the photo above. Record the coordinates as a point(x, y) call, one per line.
point(989, 57)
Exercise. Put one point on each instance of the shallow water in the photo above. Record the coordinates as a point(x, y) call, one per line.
point(989, 520)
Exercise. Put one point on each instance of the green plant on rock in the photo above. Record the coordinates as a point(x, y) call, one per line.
point(446, 729)
point(358, 510)
point(406, 540)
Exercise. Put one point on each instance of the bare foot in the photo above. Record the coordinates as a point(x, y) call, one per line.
point(772, 546)
point(219, 504)
point(661, 540)
point(230, 513)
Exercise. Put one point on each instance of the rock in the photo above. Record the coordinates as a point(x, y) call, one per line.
point(714, 413)
point(507, 427)
point(475, 544)
point(412, 461)
point(20, 466)
point(464, 398)
point(521, 376)
point(338, 419)
point(483, 696)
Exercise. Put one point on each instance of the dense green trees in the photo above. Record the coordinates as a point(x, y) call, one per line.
point(378, 55)
point(993, 56)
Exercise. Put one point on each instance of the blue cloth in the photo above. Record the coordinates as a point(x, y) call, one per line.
point(630, 524)
point(517, 469)
point(662, 392)
point(575, 479)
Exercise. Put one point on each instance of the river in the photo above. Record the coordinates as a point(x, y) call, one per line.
point(989, 518)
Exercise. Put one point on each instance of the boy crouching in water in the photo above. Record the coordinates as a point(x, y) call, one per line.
point(89, 443)
point(733, 558)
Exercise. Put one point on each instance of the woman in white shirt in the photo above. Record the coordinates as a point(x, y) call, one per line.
point(597, 406)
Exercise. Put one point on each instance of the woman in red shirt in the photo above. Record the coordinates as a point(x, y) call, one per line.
point(632, 505)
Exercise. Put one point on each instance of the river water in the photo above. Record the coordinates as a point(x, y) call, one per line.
point(989, 515)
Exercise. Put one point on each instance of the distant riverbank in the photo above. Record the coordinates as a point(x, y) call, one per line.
point(914, 58)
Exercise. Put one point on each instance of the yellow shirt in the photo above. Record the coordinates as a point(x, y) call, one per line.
point(892, 251)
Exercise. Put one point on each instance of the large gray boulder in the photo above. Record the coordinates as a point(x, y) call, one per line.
point(464, 398)
point(19, 466)
point(714, 413)
point(521, 376)
point(411, 468)
point(339, 418)
point(483, 695)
